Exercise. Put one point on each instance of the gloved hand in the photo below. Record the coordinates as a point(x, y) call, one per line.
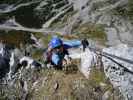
point(64, 62)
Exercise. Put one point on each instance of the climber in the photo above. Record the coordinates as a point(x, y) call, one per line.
point(56, 52)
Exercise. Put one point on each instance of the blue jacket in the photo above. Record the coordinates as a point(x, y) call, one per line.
point(58, 57)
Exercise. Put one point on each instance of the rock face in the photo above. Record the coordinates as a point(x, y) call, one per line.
point(5, 60)
point(46, 12)
point(12, 59)
point(37, 11)
point(88, 60)
point(121, 74)
point(118, 28)
point(30, 63)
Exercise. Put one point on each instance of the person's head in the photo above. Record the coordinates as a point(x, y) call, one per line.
point(56, 44)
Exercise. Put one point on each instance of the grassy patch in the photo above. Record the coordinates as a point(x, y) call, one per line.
point(97, 77)
point(88, 30)
point(64, 89)
point(72, 86)
point(37, 54)
point(15, 37)
point(44, 37)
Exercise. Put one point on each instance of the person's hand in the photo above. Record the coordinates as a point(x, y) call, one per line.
point(68, 59)
point(49, 49)
point(64, 62)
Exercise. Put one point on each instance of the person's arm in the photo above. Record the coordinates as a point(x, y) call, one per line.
point(67, 58)
point(71, 43)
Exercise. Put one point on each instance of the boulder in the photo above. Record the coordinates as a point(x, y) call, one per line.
point(88, 60)
point(29, 62)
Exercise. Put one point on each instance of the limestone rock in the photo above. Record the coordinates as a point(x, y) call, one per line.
point(120, 76)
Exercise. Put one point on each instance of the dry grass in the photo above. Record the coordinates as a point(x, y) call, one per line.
point(73, 86)
point(15, 37)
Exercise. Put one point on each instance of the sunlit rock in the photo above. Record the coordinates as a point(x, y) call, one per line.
point(120, 72)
